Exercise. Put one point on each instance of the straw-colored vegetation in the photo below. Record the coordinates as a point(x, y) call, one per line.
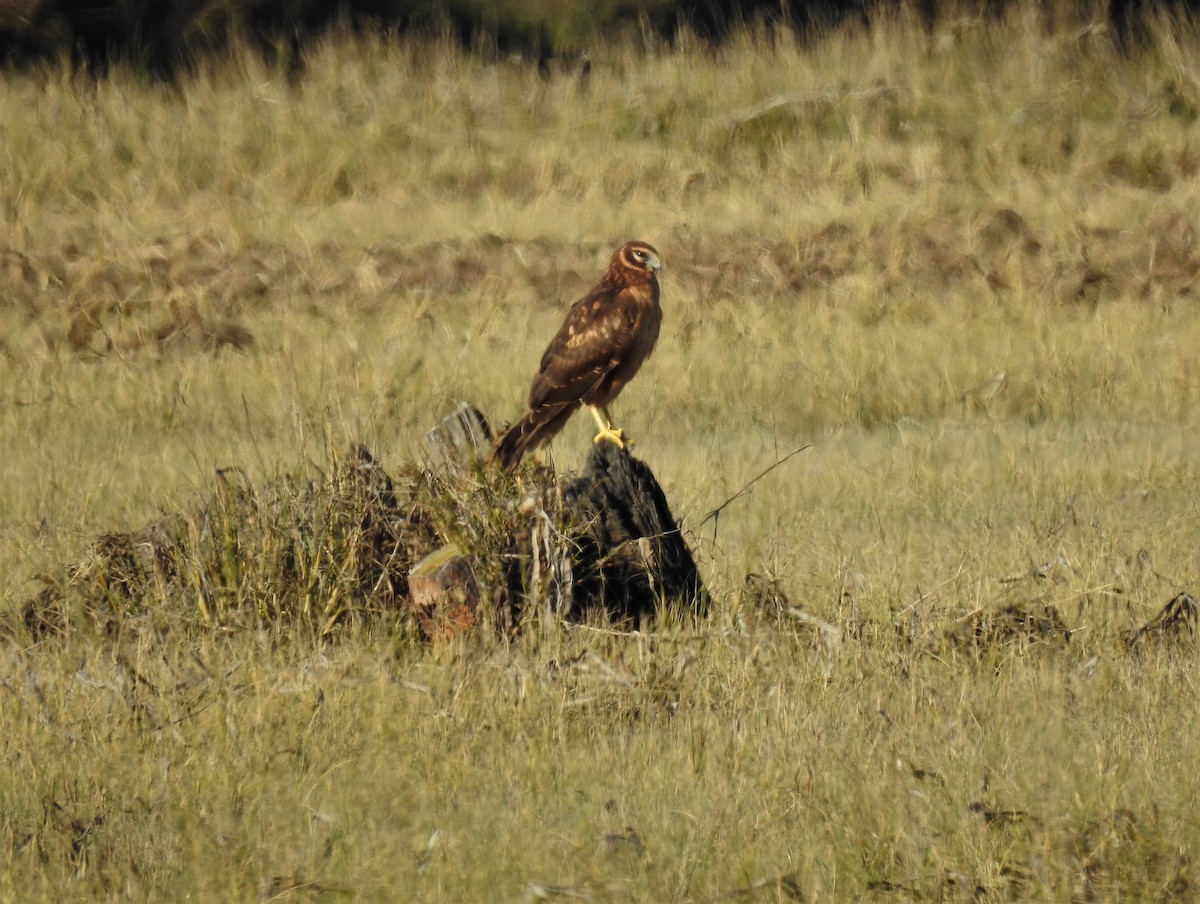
point(962, 265)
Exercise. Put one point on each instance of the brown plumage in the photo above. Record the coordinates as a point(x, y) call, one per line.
point(600, 346)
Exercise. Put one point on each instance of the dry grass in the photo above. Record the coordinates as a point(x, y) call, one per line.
point(927, 694)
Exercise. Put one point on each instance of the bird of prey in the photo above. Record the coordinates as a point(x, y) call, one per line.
point(600, 346)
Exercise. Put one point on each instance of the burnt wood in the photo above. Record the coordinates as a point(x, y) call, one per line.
point(631, 556)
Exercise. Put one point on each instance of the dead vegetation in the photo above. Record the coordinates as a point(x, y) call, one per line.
point(452, 546)
point(192, 294)
point(1176, 621)
point(1032, 623)
point(315, 552)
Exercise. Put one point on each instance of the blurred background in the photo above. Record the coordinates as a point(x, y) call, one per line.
point(169, 37)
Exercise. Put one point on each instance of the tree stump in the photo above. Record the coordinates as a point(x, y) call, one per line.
point(631, 556)
point(603, 541)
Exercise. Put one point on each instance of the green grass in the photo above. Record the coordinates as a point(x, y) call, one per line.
point(859, 235)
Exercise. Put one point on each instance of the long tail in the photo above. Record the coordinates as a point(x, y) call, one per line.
point(513, 443)
point(534, 429)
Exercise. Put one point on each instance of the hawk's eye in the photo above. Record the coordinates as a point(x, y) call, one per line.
point(640, 255)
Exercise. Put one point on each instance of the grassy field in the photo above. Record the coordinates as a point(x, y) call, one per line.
point(962, 265)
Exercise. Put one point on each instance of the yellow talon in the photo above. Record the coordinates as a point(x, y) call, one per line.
point(613, 435)
point(607, 430)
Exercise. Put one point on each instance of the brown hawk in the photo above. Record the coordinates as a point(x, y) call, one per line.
point(600, 346)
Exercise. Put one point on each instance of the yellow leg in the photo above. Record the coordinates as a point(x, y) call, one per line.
point(607, 430)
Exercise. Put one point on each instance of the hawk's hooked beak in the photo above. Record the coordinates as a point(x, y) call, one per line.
point(654, 264)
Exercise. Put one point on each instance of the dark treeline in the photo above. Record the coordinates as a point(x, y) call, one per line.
point(167, 37)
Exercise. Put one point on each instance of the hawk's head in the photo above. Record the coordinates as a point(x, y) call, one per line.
point(635, 262)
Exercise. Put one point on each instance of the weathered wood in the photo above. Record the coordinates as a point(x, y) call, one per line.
point(444, 594)
point(461, 440)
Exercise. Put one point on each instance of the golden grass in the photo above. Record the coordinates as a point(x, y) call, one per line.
point(860, 237)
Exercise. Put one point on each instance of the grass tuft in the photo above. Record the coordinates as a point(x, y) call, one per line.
point(314, 553)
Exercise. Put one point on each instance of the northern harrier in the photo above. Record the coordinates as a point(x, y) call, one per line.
point(600, 346)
